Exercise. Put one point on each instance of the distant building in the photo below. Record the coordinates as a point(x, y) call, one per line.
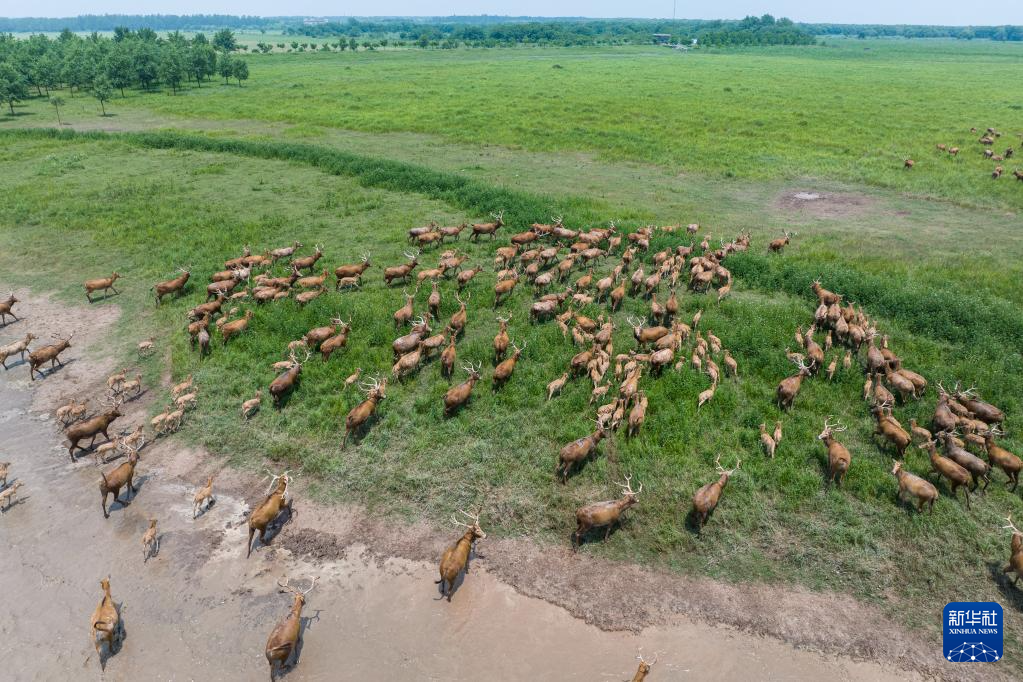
point(662, 38)
point(314, 21)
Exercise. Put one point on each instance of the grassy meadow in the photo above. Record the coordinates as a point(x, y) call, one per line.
point(349, 151)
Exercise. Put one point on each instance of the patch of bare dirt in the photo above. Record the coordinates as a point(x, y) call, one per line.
point(819, 204)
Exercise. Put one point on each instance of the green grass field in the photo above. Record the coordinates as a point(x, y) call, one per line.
point(144, 204)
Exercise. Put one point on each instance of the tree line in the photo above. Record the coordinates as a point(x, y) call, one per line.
point(102, 66)
point(87, 23)
point(1000, 33)
point(765, 30)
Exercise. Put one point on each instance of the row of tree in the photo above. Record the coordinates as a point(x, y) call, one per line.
point(130, 59)
point(765, 30)
point(1000, 33)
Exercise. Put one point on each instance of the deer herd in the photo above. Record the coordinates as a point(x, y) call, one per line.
point(559, 268)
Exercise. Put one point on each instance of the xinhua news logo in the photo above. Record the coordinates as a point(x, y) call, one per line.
point(972, 632)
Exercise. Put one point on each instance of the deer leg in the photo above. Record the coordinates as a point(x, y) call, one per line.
point(104, 504)
point(1015, 480)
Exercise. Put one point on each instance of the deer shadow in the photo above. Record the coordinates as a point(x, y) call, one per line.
point(304, 624)
point(15, 363)
point(604, 532)
point(460, 578)
point(44, 373)
point(692, 521)
point(274, 528)
point(120, 634)
point(202, 510)
point(1010, 592)
point(135, 396)
point(129, 496)
point(100, 299)
point(6, 324)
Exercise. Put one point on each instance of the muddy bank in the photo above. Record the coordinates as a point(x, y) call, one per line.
point(201, 609)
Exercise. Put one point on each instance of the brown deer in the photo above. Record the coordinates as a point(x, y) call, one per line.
point(465, 276)
point(456, 556)
point(172, 286)
point(555, 386)
point(1015, 564)
point(457, 323)
point(457, 396)
point(402, 271)
point(336, 342)
point(986, 412)
point(119, 477)
point(504, 369)
point(6, 309)
point(251, 406)
point(90, 428)
point(355, 270)
point(204, 496)
point(361, 413)
point(776, 245)
point(447, 359)
point(789, 387)
point(487, 228)
point(50, 353)
point(283, 642)
point(150, 542)
point(404, 314)
point(284, 251)
point(276, 501)
point(1002, 458)
point(890, 428)
point(838, 455)
point(705, 500)
point(103, 284)
point(767, 441)
point(578, 451)
point(501, 340)
point(308, 262)
point(16, 348)
point(923, 490)
point(978, 468)
point(286, 380)
point(105, 624)
point(604, 514)
point(953, 473)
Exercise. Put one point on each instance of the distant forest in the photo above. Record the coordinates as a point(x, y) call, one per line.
point(487, 30)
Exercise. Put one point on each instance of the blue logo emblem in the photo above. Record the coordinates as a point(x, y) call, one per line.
point(972, 632)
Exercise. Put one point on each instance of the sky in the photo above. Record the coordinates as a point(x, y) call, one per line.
point(948, 12)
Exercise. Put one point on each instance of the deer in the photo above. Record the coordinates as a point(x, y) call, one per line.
point(923, 490)
point(112, 481)
point(92, 427)
point(457, 396)
point(555, 386)
point(955, 475)
point(285, 251)
point(890, 428)
point(789, 387)
point(286, 380)
point(491, 229)
point(465, 276)
point(839, 458)
point(456, 557)
point(307, 262)
point(705, 500)
point(235, 327)
point(605, 514)
point(6, 308)
point(767, 441)
point(645, 335)
point(355, 270)
point(986, 412)
point(501, 340)
point(457, 324)
point(174, 286)
point(504, 369)
point(105, 623)
point(283, 645)
point(49, 353)
point(103, 284)
point(276, 501)
point(578, 451)
point(1015, 564)
point(204, 496)
point(776, 245)
point(72, 412)
point(977, 467)
point(1002, 458)
point(360, 414)
point(644, 668)
point(404, 314)
point(150, 542)
point(447, 359)
point(637, 415)
point(251, 406)
point(402, 271)
point(352, 378)
point(503, 288)
point(16, 348)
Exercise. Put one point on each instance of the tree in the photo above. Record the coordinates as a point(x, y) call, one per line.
point(203, 61)
point(353, 44)
point(240, 71)
point(103, 91)
point(144, 60)
point(225, 66)
point(172, 67)
point(119, 69)
point(57, 103)
point(12, 86)
point(224, 40)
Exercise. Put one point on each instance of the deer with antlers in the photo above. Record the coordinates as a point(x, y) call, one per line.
point(90, 428)
point(267, 512)
point(491, 229)
point(458, 396)
point(705, 500)
point(286, 380)
point(578, 451)
point(789, 387)
point(456, 556)
point(458, 320)
point(283, 642)
point(360, 414)
point(172, 286)
point(644, 668)
point(402, 272)
point(1015, 564)
point(121, 476)
point(308, 262)
point(504, 369)
point(838, 455)
point(776, 245)
point(605, 514)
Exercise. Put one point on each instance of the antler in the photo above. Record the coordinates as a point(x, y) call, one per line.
point(1013, 527)
point(474, 517)
point(645, 662)
point(722, 470)
point(627, 487)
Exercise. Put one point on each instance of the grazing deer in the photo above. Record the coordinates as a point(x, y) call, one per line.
point(456, 557)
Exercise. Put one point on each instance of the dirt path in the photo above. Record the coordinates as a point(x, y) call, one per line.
point(201, 610)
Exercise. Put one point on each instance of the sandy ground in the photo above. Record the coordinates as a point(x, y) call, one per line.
point(201, 610)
